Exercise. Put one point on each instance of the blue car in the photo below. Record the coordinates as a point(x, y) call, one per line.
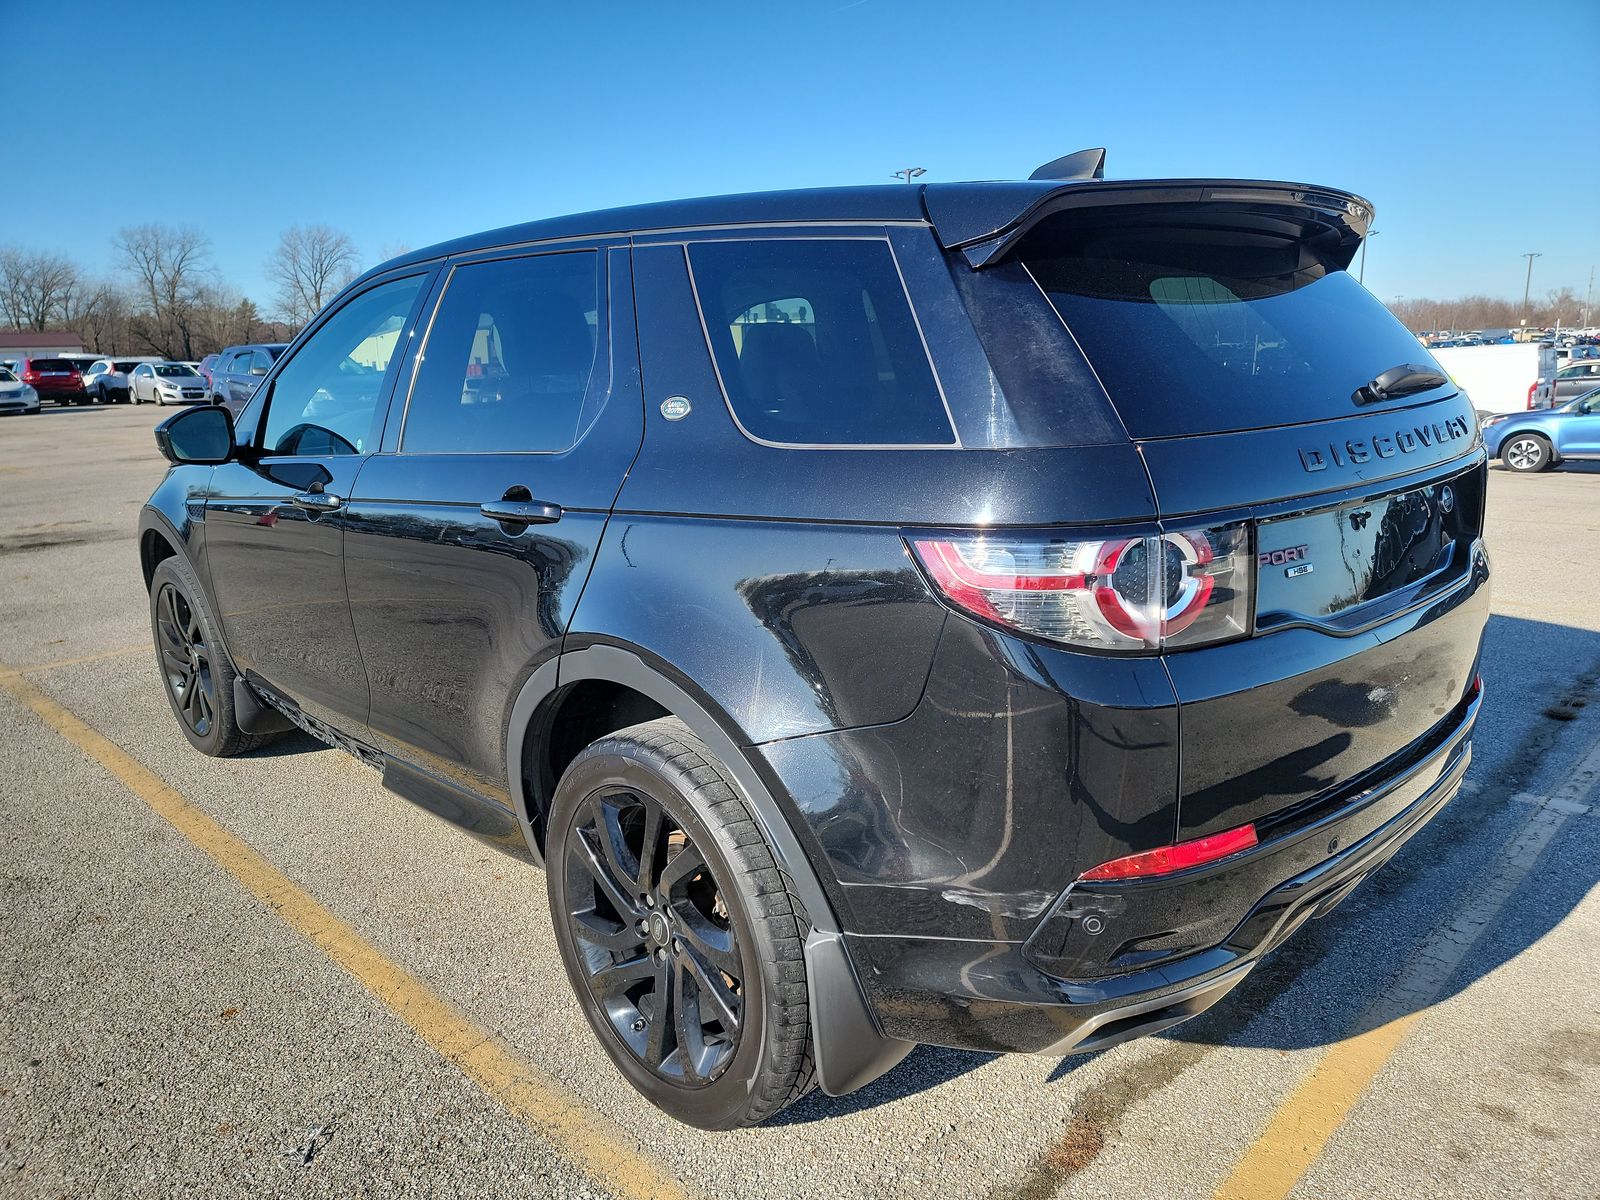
point(1532, 441)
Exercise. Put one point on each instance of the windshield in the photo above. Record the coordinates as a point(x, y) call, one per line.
point(6, 376)
point(1204, 321)
point(173, 370)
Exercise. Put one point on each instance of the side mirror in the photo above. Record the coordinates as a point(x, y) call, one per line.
point(258, 370)
point(197, 435)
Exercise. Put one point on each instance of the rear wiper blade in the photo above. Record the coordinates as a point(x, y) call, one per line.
point(1404, 380)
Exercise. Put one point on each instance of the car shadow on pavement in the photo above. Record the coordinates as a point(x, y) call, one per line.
point(293, 742)
point(923, 1069)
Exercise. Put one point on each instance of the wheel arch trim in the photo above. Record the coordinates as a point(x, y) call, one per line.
point(850, 1046)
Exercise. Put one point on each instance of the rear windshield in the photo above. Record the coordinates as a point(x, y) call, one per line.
point(53, 364)
point(276, 351)
point(1212, 323)
point(126, 366)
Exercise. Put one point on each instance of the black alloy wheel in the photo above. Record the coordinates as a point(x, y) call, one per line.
point(185, 660)
point(196, 672)
point(679, 934)
point(655, 935)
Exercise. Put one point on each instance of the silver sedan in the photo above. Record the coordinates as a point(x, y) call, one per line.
point(166, 383)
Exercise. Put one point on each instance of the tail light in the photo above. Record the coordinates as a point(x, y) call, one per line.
point(1118, 594)
point(30, 376)
point(1531, 390)
point(1165, 859)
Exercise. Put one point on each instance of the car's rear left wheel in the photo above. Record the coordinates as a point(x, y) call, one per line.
point(677, 929)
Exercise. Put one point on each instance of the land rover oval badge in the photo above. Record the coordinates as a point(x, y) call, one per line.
point(675, 408)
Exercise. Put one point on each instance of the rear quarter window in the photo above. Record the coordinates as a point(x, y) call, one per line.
point(816, 344)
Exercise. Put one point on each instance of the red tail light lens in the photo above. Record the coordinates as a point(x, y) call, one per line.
point(1166, 859)
point(1127, 594)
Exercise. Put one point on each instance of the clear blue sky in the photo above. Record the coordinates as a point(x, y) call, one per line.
point(413, 122)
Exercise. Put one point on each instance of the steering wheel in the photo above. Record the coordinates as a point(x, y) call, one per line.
point(290, 442)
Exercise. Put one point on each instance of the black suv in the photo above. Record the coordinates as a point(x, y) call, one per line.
point(984, 614)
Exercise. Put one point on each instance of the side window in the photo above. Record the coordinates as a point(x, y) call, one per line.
point(816, 343)
point(323, 400)
point(239, 364)
point(508, 359)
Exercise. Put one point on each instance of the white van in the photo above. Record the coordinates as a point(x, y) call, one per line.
point(1503, 379)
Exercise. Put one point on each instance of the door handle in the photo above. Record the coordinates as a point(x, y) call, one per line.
point(521, 512)
point(317, 502)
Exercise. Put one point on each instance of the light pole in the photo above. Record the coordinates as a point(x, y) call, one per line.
point(1361, 274)
point(907, 174)
point(1528, 283)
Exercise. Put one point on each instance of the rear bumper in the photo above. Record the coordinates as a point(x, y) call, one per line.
point(1006, 996)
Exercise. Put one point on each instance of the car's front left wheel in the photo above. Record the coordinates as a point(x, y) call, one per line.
point(195, 670)
point(1526, 452)
point(677, 929)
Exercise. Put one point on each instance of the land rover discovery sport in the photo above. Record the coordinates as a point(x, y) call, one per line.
point(984, 614)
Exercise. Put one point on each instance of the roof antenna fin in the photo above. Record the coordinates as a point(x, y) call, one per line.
point(1083, 164)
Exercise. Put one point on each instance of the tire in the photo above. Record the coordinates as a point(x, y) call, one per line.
point(1526, 453)
point(203, 703)
point(133, 396)
point(741, 1050)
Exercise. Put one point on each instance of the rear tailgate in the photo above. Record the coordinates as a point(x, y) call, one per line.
point(1369, 616)
point(1263, 385)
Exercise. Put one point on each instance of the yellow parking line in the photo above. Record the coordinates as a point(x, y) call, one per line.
point(1302, 1127)
point(592, 1142)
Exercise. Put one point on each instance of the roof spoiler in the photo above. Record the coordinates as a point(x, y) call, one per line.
point(985, 221)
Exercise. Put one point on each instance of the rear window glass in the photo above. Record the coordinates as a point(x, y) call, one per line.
point(816, 343)
point(53, 364)
point(1214, 324)
point(126, 366)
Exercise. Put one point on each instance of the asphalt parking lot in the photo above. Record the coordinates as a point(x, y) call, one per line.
point(266, 976)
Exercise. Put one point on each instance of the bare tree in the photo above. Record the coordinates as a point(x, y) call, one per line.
point(311, 264)
point(99, 313)
point(169, 265)
point(35, 287)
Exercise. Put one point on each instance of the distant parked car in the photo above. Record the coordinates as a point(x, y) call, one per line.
point(16, 396)
point(204, 368)
point(1576, 378)
point(1537, 440)
point(54, 378)
point(106, 380)
point(166, 383)
point(239, 370)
